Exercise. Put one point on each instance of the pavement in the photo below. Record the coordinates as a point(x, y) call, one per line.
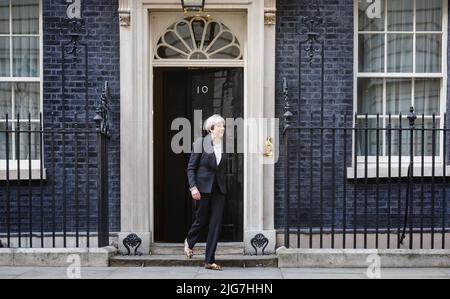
point(228, 273)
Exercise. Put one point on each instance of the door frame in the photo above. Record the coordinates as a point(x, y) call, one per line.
point(159, 22)
point(136, 66)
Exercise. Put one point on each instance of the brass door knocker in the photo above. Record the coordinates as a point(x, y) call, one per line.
point(268, 148)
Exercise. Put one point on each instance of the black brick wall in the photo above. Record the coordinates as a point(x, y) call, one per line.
point(102, 38)
point(337, 35)
point(101, 35)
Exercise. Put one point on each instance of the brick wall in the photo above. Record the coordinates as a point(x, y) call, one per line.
point(337, 36)
point(102, 39)
point(101, 35)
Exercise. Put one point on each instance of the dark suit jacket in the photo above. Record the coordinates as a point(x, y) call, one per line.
point(203, 169)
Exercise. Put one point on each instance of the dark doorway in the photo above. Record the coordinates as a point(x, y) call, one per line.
point(178, 93)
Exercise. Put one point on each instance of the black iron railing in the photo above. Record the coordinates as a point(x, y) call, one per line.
point(356, 182)
point(54, 185)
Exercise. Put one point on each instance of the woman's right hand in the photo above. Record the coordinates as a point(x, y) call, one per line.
point(195, 194)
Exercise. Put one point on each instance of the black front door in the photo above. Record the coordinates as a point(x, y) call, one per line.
point(178, 94)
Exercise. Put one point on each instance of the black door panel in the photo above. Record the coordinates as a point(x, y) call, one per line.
point(211, 91)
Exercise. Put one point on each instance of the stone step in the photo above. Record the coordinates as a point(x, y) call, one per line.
point(200, 248)
point(240, 261)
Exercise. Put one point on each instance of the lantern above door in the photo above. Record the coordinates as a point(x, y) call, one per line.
point(193, 5)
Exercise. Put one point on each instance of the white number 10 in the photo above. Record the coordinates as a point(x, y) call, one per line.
point(203, 89)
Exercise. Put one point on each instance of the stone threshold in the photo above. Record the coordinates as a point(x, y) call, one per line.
point(224, 248)
point(239, 261)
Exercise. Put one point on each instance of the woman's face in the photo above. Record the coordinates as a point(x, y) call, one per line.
point(218, 130)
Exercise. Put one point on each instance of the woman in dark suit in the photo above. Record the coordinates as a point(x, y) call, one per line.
point(207, 183)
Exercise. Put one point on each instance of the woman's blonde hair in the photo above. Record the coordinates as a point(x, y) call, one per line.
point(214, 120)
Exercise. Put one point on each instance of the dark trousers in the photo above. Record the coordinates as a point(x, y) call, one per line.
point(209, 209)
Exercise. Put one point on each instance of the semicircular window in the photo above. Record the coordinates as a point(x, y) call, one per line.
point(198, 38)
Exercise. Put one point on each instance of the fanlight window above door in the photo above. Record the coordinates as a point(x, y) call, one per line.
point(200, 39)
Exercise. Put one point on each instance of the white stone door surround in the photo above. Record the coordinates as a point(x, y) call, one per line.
point(136, 112)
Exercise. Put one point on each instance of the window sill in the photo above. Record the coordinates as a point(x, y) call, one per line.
point(384, 171)
point(24, 175)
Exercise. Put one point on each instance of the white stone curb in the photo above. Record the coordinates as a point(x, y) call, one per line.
point(58, 257)
point(361, 258)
